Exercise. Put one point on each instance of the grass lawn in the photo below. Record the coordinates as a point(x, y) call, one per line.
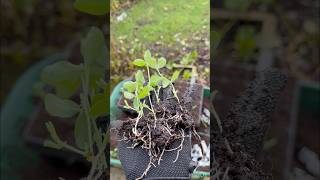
point(160, 20)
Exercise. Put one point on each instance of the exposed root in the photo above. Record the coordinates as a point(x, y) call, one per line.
point(158, 129)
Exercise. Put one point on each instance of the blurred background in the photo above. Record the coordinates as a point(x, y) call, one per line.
point(34, 34)
point(251, 35)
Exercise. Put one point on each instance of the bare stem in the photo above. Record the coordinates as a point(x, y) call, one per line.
point(154, 114)
point(85, 105)
point(71, 148)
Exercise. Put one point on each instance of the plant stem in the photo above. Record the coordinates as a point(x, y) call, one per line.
point(100, 146)
point(71, 148)
point(154, 114)
point(96, 158)
point(85, 105)
point(173, 89)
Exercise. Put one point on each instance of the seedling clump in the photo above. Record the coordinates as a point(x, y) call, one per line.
point(161, 117)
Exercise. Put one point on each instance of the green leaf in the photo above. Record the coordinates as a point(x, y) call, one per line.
point(245, 42)
point(139, 77)
point(162, 62)
point(93, 7)
point(175, 76)
point(165, 82)
point(186, 75)
point(147, 55)
point(155, 80)
point(152, 62)
point(51, 144)
point(94, 52)
point(130, 86)
point(81, 131)
point(139, 62)
point(144, 92)
point(99, 106)
point(150, 88)
point(63, 108)
point(194, 54)
point(136, 102)
point(189, 58)
point(128, 95)
point(63, 76)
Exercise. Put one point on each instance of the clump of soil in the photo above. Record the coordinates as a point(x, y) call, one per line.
point(173, 122)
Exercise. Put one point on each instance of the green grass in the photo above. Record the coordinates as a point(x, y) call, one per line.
point(153, 20)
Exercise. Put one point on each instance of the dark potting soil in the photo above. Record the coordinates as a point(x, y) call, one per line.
point(234, 151)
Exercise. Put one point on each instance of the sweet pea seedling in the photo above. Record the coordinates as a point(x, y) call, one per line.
point(88, 77)
point(136, 91)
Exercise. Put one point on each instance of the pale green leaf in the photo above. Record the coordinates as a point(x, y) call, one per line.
point(165, 82)
point(175, 76)
point(130, 86)
point(139, 77)
point(155, 80)
point(63, 76)
point(56, 106)
point(186, 75)
point(143, 92)
point(152, 62)
point(162, 63)
point(139, 62)
point(136, 102)
point(128, 95)
point(147, 55)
